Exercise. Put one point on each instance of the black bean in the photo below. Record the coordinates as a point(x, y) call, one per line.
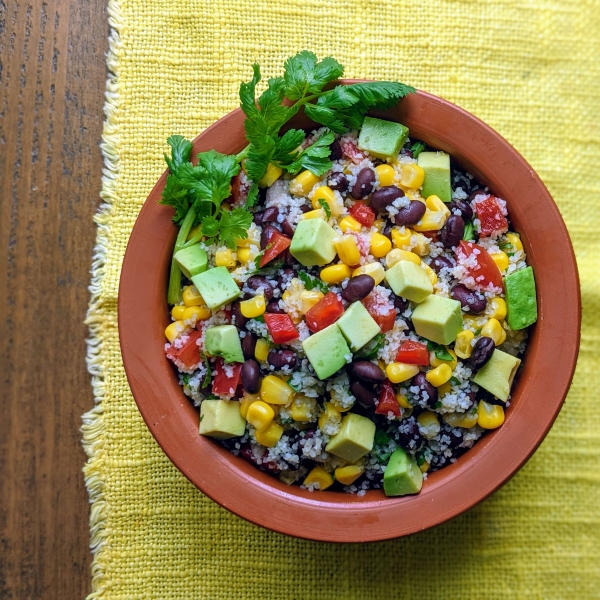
point(270, 215)
point(400, 303)
point(409, 324)
point(258, 217)
point(274, 308)
point(249, 345)
point(456, 437)
point(387, 229)
point(478, 192)
point(336, 150)
point(363, 186)
point(338, 181)
point(283, 358)
point(287, 228)
point(358, 287)
point(384, 196)
point(474, 301)
point(288, 274)
point(364, 394)
point(427, 392)
point(261, 284)
point(265, 236)
point(251, 376)
point(306, 208)
point(239, 320)
point(408, 432)
point(466, 212)
point(482, 352)
point(452, 232)
point(288, 258)
point(410, 215)
point(441, 262)
point(367, 371)
point(491, 399)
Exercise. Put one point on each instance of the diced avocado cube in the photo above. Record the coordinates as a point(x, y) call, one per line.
point(409, 281)
point(192, 260)
point(224, 340)
point(497, 375)
point(402, 475)
point(326, 350)
point(357, 326)
point(382, 139)
point(354, 439)
point(438, 319)
point(521, 302)
point(216, 286)
point(312, 243)
point(437, 175)
point(221, 419)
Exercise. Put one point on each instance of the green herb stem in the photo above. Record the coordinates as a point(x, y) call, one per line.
point(174, 290)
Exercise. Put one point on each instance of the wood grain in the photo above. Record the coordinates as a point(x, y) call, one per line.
point(52, 74)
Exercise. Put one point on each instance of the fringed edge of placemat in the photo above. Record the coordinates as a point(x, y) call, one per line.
point(93, 421)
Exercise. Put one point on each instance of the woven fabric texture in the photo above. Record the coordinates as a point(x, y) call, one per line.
point(528, 68)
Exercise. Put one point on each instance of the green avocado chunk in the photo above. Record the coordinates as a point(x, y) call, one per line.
point(216, 286)
point(521, 303)
point(402, 475)
point(437, 175)
point(357, 326)
point(326, 351)
point(192, 260)
point(409, 281)
point(354, 439)
point(312, 243)
point(438, 319)
point(382, 139)
point(221, 419)
point(497, 375)
point(224, 340)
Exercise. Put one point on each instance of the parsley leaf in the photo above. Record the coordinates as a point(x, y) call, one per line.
point(417, 148)
point(181, 150)
point(381, 438)
point(315, 158)
point(440, 351)
point(252, 198)
point(219, 169)
point(325, 206)
point(469, 233)
point(231, 226)
point(311, 282)
point(454, 380)
point(305, 76)
point(176, 195)
point(206, 380)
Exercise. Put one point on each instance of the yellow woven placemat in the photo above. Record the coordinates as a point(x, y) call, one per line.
point(531, 70)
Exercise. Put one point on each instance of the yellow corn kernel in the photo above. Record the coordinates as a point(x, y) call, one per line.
point(309, 298)
point(260, 415)
point(349, 224)
point(422, 247)
point(462, 343)
point(275, 390)
point(254, 307)
point(326, 193)
point(246, 401)
point(177, 312)
point(271, 176)
point(380, 245)
point(379, 224)
point(434, 203)
point(434, 361)
point(431, 221)
point(174, 329)
point(489, 416)
point(431, 274)
point(303, 409)
point(444, 389)
point(261, 350)
point(398, 372)
point(515, 240)
point(496, 309)
point(224, 258)
point(347, 250)
point(429, 420)
point(502, 338)
point(439, 375)
point(349, 474)
point(303, 183)
point(374, 269)
point(270, 436)
point(319, 478)
point(193, 232)
point(411, 176)
point(492, 329)
point(336, 403)
point(192, 297)
point(466, 420)
point(403, 401)
point(396, 255)
point(501, 260)
point(385, 174)
point(315, 214)
point(335, 273)
point(329, 416)
point(424, 466)
point(401, 237)
point(243, 255)
point(199, 313)
point(253, 238)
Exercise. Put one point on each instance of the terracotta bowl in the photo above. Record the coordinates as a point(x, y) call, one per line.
point(333, 516)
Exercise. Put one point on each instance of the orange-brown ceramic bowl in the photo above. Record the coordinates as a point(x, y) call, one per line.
point(333, 516)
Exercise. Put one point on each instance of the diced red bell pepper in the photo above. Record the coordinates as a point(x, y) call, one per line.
point(490, 216)
point(384, 316)
point(239, 190)
point(278, 243)
point(325, 312)
point(484, 272)
point(351, 151)
point(387, 401)
point(188, 354)
point(363, 214)
point(224, 384)
point(413, 353)
point(281, 328)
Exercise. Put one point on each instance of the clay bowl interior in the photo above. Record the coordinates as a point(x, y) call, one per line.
point(332, 516)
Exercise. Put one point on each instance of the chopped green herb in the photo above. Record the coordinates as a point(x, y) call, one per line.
point(454, 381)
point(417, 148)
point(420, 458)
point(381, 438)
point(185, 378)
point(311, 282)
point(469, 233)
point(295, 386)
point(438, 404)
point(372, 348)
point(207, 377)
point(325, 206)
point(260, 319)
point(440, 351)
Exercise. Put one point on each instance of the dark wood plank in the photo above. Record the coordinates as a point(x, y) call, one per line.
point(52, 73)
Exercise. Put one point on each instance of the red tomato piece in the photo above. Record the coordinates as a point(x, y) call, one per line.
point(384, 316)
point(363, 214)
point(325, 312)
point(239, 190)
point(351, 151)
point(278, 243)
point(224, 384)
point(480, 266)
point(413, 353)
point(387, 401)
point(281, 328)
point(490, 217)
point(188, 354)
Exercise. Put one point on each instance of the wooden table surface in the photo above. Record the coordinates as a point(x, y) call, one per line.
point(52, 76)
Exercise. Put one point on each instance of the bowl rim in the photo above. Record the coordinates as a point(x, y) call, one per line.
point(333, 516)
